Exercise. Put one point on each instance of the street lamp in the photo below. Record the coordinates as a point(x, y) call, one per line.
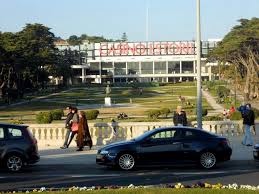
point(198, 58)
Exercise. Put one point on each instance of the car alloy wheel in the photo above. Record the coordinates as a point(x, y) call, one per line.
point(207, 160)
point(126, 161)
point(14, 163)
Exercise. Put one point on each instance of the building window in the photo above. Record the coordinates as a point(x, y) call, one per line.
point(187, 67)
point(173, 67)
point(107, 68)
point(120, 68)
point(160, 67)
point(133, 68)
point(146, 67)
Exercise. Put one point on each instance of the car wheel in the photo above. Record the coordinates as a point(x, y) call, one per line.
point(208, 160)
point(126, 161)
point(14, 163)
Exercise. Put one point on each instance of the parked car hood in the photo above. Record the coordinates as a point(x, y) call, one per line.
point(120, 143)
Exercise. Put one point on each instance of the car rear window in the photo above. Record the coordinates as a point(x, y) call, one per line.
point(15, 133)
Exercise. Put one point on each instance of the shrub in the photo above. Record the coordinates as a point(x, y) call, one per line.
point(165, 111)
point(204, 112)
point(17, 122)
point(235, 116)
point(256, 113)
point(223, 92)
point(57, 114)
point(212, 118)
point(44, 117)
point(92, 114)
point(154, 114)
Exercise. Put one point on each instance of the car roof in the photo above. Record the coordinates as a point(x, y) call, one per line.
point(12, 125)
point(178, 127)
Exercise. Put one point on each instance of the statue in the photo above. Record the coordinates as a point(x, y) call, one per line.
point(108, 91)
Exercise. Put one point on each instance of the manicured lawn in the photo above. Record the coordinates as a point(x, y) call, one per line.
point(93, 98)
point(162, 191)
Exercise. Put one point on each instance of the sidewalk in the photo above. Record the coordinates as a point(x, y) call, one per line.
point(218, 109)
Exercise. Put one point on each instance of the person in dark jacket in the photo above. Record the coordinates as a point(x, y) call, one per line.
point(83, 135)
point(180, 118)
point(74, 120)
point(68, 126)
point(248, 121)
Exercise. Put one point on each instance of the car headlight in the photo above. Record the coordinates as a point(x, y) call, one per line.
point(104, 152)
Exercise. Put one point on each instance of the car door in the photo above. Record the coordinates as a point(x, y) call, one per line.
point(160, 147)
point(189, 143)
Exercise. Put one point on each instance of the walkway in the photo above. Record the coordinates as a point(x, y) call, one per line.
point(218, 109)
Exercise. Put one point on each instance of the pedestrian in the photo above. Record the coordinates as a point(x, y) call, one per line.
point(74, 122)
point(242, 109)
point(83, 135)
point(68, 126)
point(179, 117)
point(114, 125)
point(248, 121)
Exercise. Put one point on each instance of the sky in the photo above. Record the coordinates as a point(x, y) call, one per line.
point(169, 20)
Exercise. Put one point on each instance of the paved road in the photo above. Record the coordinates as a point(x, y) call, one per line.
point(56, 176)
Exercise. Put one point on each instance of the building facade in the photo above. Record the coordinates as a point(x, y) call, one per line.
point(164, 61)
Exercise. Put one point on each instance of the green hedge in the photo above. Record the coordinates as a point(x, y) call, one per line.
point(57, 114)
point(44, 118)
point(154, 114)
point(165, 111)
point(92, 114)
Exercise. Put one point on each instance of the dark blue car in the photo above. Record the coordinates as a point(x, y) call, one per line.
point(18, 147)
point(167, 146)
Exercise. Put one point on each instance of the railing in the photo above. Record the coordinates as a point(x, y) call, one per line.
point(104, 133)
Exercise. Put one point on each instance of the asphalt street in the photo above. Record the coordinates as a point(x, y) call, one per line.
point(63, 176)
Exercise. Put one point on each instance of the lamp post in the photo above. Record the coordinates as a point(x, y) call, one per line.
point(198, 58)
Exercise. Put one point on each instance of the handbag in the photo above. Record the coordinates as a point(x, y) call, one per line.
point(74, 127)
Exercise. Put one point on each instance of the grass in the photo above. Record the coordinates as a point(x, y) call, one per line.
point(151, 98)
point(160, 191)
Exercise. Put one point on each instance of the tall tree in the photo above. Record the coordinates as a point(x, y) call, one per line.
point(240, 50)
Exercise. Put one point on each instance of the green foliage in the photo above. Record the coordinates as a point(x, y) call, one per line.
point(223, 92)
point(57, 114)
point(92, 114)
point(154, 114)
point(204, 112)
point(165, 111)
point(212, 118)
point(256, 113)
point(44, 118)
point(17, 122)
point(235, 116)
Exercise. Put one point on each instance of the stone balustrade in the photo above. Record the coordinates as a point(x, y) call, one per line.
point(52, 135)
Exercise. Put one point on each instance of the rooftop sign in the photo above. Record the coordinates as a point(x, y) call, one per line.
point(108, 49)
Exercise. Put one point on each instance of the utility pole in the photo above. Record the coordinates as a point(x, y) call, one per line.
point(198, 58)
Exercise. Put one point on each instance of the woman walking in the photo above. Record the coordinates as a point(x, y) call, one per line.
point(83, 136)
point(75, 125)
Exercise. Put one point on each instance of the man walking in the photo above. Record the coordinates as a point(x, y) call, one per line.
point(248, 121)
point(68, 126)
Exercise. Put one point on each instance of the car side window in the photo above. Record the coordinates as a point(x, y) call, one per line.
point(2, 133)
point(15, 133)
point(169, 134)
point(188, 134)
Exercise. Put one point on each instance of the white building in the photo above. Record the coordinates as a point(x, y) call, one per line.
point(165, 61)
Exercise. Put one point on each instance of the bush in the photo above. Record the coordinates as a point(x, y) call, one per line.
point(204, 112)
point(235, 116)
point(256, 113)
point(165, 111)
point(154, 114)
point(57, 114)
point(44, 117)
point(17, 122)
point(92, 114)
point(212, 118)
point(223, 92)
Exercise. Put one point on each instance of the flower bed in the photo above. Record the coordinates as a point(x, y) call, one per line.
point(156, 189)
